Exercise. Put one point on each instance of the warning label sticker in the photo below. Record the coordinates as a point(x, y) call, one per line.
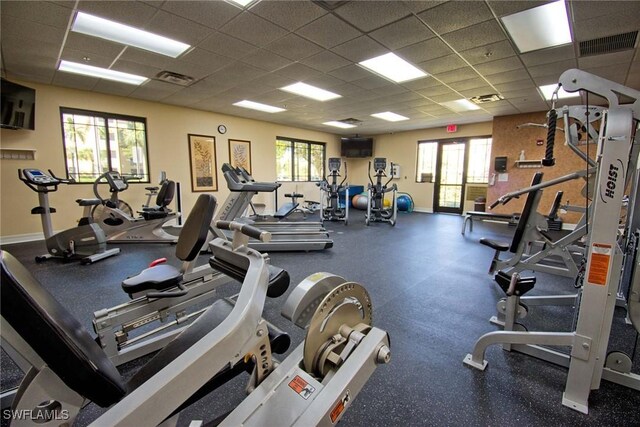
point(599, 268)
point(339, 408)
point(300, 386)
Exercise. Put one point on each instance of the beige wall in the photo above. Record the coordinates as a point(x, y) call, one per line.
point(402, 148)
point(167, 128)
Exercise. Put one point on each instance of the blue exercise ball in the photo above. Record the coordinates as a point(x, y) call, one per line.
point(404, 203)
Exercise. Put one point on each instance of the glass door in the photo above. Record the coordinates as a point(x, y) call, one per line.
point(449, 187)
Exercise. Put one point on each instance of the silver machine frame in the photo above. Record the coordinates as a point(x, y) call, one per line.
point(286, 235)
point(325, 193)
point(378, 215)
point(617, 154)
point(133, 229)
point(242, 335)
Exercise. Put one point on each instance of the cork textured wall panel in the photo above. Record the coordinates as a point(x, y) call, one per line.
point(510, 141)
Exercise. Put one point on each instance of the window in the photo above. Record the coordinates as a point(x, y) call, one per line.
point(96, 142)
point(479, 160)
point(299, 160)
point(427, 155)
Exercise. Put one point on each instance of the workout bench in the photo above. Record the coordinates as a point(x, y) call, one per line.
point(511, 219)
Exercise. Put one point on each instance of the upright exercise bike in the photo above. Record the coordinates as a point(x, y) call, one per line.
point(330, 194)
point(120, 225)
point(376, 211)
point(86, 242)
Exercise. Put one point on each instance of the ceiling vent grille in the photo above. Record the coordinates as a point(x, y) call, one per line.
point(351, 121)
point(174, 78)
point(608, 44)
point(483, 99)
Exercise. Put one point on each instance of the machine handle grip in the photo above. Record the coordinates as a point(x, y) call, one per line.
point(62, 180)
point(494, 204)
point(552, 118)
point(246, 229)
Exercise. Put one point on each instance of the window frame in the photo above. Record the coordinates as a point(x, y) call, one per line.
point(309, 143)
point(106, 116)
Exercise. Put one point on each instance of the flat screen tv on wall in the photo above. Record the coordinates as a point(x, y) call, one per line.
point(18, 106)
point(356, 146)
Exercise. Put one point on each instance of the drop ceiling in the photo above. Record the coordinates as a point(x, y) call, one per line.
point(250, 53)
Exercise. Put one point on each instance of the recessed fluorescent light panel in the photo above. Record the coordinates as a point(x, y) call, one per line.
point(390, 117)
point(393, 67)
point(103, 73)
point(547, 92)
point(241, 3)
point(538, 28)
point(339, 125)
point(258, 106)
point(120, 33)
point(460, 105)
point(309, 91)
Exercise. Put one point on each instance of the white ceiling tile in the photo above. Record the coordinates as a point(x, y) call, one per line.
point(546, 56)
point(154, 90)
point(477, 91)
point(253, 29)
point(293, 47)
point(472, 83)
point(552, 69)
point(148, 58)
point(487, 32)
point(41, 12)
point(272, 80)
point(359, 49)
point(583, 11)
point(500, 66)
point(368, 16)
point(135, 68)
point(177, 28)
point(24, 29)
point(325, 61)
point(609, 25)
point(430, 92)
point(236, 74)
point(325, 81)
point(615, 73)
point(92, 45)
point(328, 31)
point(488, 53)
point(298, 72)
point(212, 14)
point(441, 65)
point(288, 14)
point(515, 85)
point(204, 58)
point(266, 60)
point(114, 88)
point(402, 33)
point(455, 15)
point(425, 51)
point(421, 83)
point(509, 76)
point(74, 81)
point(226, 45)
point(371, 82)
point(622, 58)
point(95, 59)
point(457, 75)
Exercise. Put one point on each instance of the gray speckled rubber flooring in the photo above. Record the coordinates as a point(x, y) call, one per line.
point(430, 292)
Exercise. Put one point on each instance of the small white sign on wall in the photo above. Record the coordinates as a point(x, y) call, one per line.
point(503, 177)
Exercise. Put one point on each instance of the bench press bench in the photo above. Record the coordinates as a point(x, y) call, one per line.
point(511, 219)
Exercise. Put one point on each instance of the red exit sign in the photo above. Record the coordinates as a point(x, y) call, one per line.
point(452, 128)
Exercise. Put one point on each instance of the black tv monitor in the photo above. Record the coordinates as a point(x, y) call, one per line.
point(356, 146)
point(18, 106)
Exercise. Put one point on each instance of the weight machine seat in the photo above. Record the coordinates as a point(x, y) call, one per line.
point(278, 277)
point(523, 285)
point(56, 336)
point(69, 351)
point(192, 237)
point(494, 244)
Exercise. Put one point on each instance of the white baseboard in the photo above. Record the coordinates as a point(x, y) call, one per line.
point(21, 238)
point(423, 210)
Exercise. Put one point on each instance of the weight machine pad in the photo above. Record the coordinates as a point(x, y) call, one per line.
point(158, 278)
point(494, 244)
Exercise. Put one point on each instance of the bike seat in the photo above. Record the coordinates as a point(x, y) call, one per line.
point(156, 278)
point(88, 202)
point(494, 244)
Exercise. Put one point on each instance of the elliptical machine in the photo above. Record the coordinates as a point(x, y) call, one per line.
point(329, 193)
point(118, 222)
point(376, 212)
point(86, 242)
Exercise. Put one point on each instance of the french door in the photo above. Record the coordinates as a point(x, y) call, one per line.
point(451, 177)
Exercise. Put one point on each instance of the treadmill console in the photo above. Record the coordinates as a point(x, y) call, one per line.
point(334, 164)
point(379, 163)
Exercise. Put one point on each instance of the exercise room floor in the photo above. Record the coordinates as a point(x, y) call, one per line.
point(430, 292)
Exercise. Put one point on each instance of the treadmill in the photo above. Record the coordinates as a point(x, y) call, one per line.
point(286, 236)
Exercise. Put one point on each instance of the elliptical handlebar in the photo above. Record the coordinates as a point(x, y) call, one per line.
point(369, 173)
point(390, 177)
point(345, 174)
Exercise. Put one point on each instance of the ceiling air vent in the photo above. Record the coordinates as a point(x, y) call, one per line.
point(351, 121)
point(174, 78)
point(483, 99)
point(608, 44)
